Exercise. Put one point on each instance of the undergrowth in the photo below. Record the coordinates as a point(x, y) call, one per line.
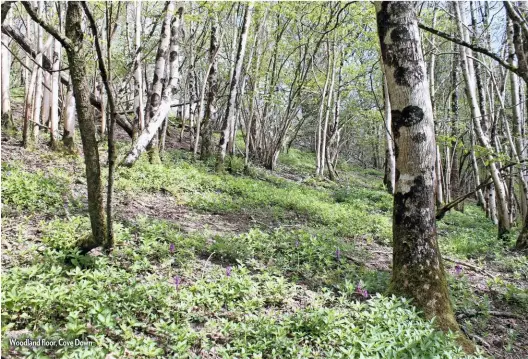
point(294, 289)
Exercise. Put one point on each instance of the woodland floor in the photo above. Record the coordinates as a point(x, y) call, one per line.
point(277, 231)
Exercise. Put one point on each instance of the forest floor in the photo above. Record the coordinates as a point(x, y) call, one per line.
point(236, 265)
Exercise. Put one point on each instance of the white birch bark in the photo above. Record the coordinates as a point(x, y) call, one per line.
point(159, 80)
point(469, 76)
point(138, 76)
point(68, 137)
point(327, 114)
point(229, 122)
point(54, 117)
point(417, 271)
point(157, 119)
point(319, 139)
point(37, 100)
point(46, 94)
point(391, 161)
point(5, 73)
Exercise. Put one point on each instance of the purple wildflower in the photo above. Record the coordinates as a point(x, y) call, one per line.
point(361, 291)
point(171, 248)
point(338, 254)
point(228, 271)
point(297, 243)
point(177, 281)
point(458, 269)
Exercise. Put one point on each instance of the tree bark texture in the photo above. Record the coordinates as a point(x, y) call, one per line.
point(418, 270)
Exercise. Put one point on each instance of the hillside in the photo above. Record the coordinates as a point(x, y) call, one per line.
point(271, 265)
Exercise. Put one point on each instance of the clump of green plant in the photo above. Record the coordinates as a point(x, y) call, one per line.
point(469, 234)
point(313, 258)
point(380, 328)
point(33, 192)
point(373, 198)
point(298, 161)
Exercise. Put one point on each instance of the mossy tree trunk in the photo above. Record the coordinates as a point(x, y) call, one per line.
point(77, 64)
point(418, 272)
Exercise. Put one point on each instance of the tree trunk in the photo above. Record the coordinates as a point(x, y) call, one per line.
point(454, 172)
point(206, 149)
point(390, 167)
point(54, 118)
point(418, 270)
point(502, 209)
point(37, 99)
point(157, 118)
point(68, 136)
point(229, 121)
point(481, 200)
point(334, 132)
point(46, 95)
point(438, 178)
point(319, 168)
point(139, 123)
point(77, 63)
point(27, 139)
point(327, 112)
point(7, 121)
point(158, 82)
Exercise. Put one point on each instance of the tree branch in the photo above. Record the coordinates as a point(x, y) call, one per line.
point(514, 15)
point(440, 213)
point(6, 5)
point(65, 42)
point(478, 49)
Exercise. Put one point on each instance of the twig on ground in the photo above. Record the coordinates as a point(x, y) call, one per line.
point(469, 265)
point(494, 313)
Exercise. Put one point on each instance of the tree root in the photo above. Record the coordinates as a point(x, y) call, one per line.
point(86, 243)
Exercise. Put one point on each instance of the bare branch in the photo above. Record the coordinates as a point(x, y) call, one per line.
point(65, 42)
point(478, 49)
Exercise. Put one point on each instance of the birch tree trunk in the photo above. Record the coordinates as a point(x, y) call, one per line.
point(158, 82)
point(229, 121)
point(318, 139)
point(504, 224)
point(438, 169)
point(157, 118)
point(7, 121)
point(37, 99)
point(418, 270)
point(54, 117)
point(481, 200)
point(334, 131)
point(454, 172)
point(327, 113)
point(68, 137)
point(46, 94)
point(390, 171)
point(27, 139)
point(252, 104)
point(139, 124)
